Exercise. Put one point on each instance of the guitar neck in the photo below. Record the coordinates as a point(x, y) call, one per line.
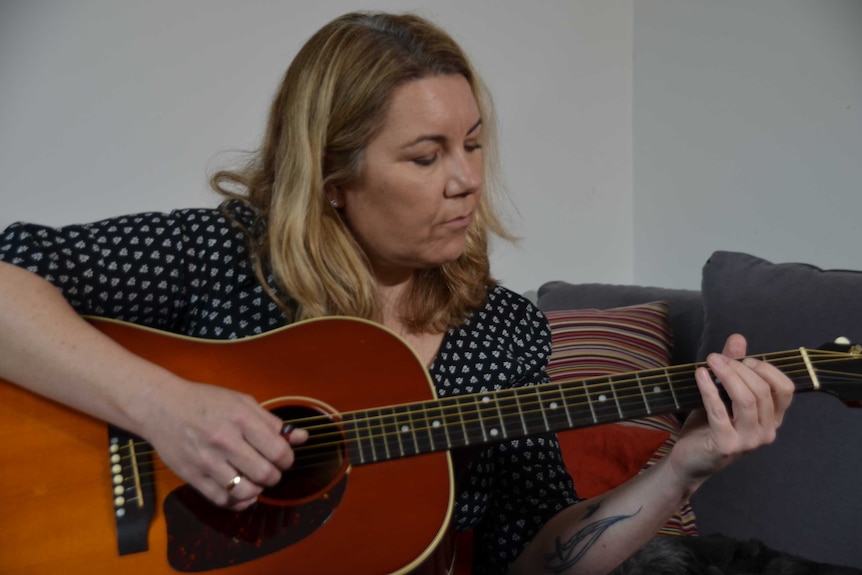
point(478, 419)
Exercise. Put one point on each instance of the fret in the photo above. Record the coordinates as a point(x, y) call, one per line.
point(405, 431)
point(688, 396)
point(482, 401)
point(537, 391)
point(628, 394)
point(379, 448)
point(437, 429)
point(456, 430)
point(590, 401)
point(658, 393)
point(510, 415)
point(554, 410)
point(643, 393)
point(471, 420)
point(357, 426)
point(532, 416)
point(603, 404)
point(532, 410)
point(581, 409)
point(391, 434)
point(616, 398)
point(492, 405)
point(672, 390)
point(553, 403)
point(424, 440)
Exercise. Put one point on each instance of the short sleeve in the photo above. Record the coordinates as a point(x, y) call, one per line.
point(129, 268)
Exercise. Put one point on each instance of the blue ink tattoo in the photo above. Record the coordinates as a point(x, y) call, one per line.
point(567, 554)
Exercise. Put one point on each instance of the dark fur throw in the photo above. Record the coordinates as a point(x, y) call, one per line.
point(718, 555)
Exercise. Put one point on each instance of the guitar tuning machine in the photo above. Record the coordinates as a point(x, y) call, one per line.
point(854, 349)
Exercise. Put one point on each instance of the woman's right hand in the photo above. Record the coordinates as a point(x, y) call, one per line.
point(209, 435)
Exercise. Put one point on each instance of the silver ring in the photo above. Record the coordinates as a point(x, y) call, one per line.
point(233, 483)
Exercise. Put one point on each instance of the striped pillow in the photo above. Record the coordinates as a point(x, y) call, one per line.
point(591, 343)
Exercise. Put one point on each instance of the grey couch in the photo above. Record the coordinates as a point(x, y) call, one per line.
point(802, 494)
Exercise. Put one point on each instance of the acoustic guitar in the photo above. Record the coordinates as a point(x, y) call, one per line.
point(370, 493)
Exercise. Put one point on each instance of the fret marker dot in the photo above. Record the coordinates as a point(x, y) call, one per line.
point(494, 432)
point(405, 428)
point(435, 423)
point(486, 399)
point(553, 405)
point(656, 389)
point(603, 397)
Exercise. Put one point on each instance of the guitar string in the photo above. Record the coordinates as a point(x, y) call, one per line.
point(387, 436)
point(307, 462)
point(481, 417)
point(318, 458)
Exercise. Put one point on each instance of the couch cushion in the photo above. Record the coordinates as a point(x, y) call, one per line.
point(591, 343)
point(806, 483)
point(686, 313)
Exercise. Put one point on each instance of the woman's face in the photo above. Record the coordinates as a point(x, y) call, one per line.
point(421, 179)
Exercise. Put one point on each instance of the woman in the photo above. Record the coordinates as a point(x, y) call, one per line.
point(371, 197)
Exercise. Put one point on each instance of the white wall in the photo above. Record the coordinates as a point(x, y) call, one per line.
point(747, 133)
point(638, 135)
point(113, 107)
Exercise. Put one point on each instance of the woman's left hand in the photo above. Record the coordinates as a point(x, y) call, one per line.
point(718, 434)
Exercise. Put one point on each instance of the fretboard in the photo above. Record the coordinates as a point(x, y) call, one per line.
point(478, 419)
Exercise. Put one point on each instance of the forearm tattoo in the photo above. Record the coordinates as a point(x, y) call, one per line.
point(567, 553)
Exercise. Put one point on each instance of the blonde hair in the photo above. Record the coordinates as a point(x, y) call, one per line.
point(331, 103)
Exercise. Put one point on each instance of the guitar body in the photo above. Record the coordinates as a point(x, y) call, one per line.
point(57, 497)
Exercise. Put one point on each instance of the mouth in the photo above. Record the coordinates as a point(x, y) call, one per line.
point(460, 221)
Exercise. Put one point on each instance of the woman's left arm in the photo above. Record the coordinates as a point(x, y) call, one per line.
point(596, 535)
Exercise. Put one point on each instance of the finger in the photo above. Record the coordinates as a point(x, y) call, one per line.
point(224, 488)
point(735, 346)
point(781, 388)
point(751, 402)
point(255, 466)
point(267, 435)
point(714, 408)
point(240, 492)
point(294, 435)
point(742, 399)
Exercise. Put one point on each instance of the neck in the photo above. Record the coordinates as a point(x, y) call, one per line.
point(391, 292)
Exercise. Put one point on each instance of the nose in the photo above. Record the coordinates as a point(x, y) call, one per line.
point(466, 173)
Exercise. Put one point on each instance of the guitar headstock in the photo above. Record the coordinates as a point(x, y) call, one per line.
point(838, 367)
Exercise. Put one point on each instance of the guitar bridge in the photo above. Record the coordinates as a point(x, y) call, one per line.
point(133, 489)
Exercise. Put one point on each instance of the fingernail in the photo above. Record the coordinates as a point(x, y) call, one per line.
point(750, 362)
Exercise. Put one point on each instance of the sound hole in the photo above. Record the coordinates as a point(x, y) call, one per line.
point(318, 463)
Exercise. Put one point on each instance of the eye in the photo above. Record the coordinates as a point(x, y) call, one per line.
point(472, 146)
point(425, 160)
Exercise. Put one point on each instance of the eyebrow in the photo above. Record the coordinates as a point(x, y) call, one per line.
point(438, 138)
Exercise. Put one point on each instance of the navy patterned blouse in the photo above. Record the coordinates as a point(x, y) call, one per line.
point(189, 272)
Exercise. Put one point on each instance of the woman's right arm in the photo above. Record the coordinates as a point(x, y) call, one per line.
point(206, 434)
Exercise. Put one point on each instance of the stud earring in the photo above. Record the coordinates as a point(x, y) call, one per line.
point(334, 203)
